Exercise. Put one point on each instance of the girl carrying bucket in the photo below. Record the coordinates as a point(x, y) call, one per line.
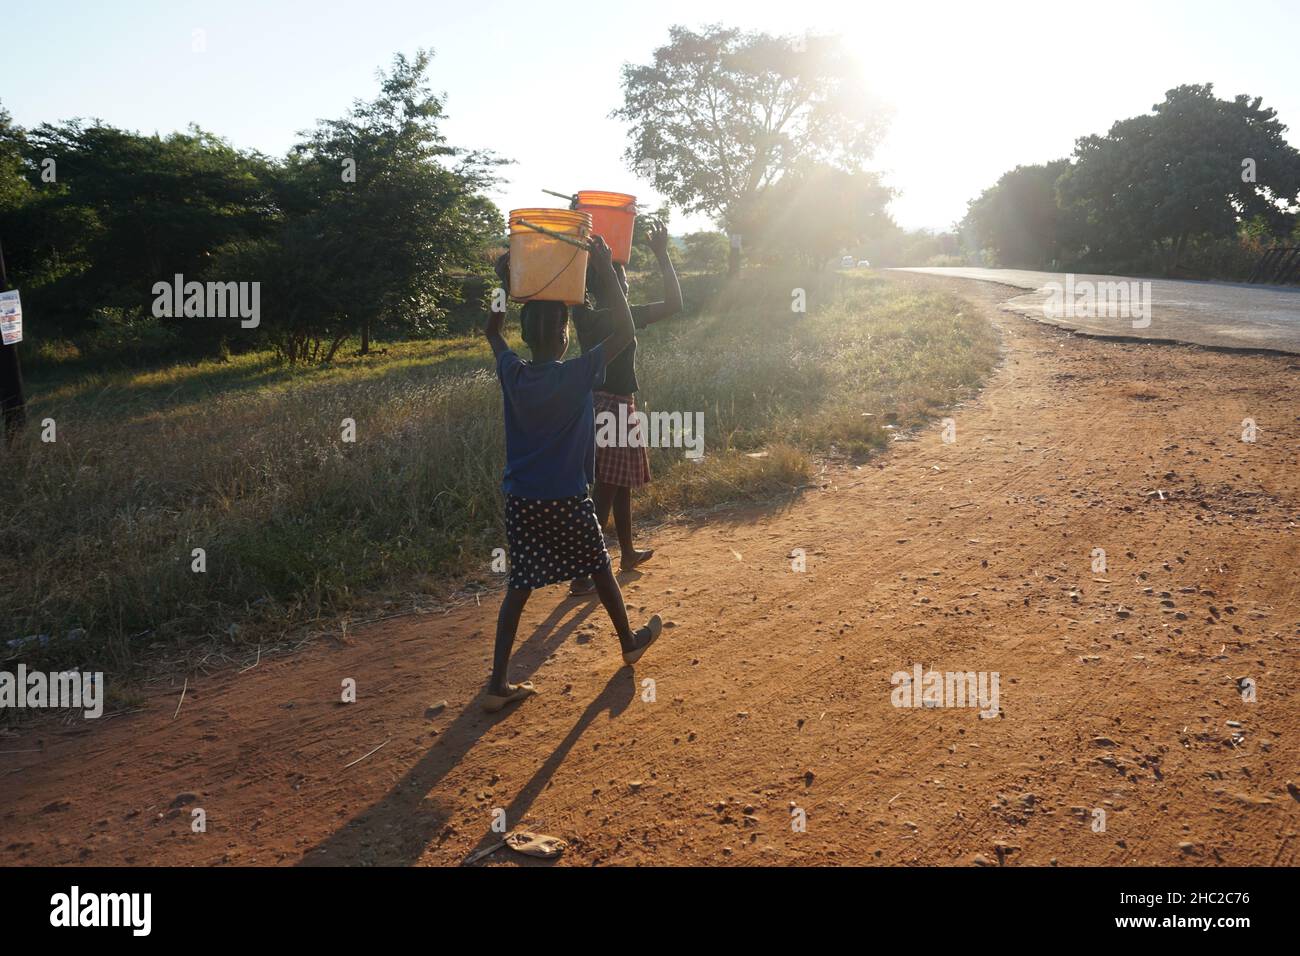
point(551, 527)
point(620, 468)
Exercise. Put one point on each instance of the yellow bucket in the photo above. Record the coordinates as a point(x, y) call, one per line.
point(548, 255)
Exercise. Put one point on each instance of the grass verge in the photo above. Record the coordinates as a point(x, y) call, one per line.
point(245, 460)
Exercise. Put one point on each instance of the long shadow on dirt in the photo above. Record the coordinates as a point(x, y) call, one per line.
point(615, 697)
point(397, 830)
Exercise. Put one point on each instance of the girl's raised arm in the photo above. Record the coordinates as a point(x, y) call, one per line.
point(649, 314)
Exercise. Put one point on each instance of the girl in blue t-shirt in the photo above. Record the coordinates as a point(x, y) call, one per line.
point(551, 527)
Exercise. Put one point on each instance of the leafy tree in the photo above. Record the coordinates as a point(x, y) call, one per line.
point(16, 196)
point(15, 191)
point(113, 212)
point(719, 116)
point(393, 216)
point(1019, 219)
point(1177, 173)
point(706, 251)
point(819, 213)
point(301, 316)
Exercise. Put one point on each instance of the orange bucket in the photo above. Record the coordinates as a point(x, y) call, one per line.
point(613, 217)
point(549, 262)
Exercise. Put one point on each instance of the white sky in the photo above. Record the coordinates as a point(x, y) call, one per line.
point(976, 88)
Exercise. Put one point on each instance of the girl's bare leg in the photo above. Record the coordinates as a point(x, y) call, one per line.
point(611, 595)
point(623, 524)
point(512, 605)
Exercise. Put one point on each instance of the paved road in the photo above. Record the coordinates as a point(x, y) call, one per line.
point(1203, 313)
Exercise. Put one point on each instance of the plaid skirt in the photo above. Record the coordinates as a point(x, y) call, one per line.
point(625, 465)
point(552, 540)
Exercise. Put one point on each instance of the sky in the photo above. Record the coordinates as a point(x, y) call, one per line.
point(974, 89)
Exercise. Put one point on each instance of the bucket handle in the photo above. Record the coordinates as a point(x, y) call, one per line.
point(554, 235)
point(573, 199)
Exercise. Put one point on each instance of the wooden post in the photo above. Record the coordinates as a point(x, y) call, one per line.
point(12, 402)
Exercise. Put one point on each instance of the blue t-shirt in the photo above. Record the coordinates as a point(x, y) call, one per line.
point(550, 427)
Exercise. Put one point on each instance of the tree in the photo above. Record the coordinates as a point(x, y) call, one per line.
point(706, 251)
point(112, 212)
point(1180, 172)
point(15, 191)
point(392, 216)
point(719, 116)
point(1019, 219)
point(818, 213)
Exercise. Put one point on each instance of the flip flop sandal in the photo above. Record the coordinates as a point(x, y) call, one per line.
point(535, 844)
point(656, 626)
point(587, 588)
point(495, 702)
point(645, 556)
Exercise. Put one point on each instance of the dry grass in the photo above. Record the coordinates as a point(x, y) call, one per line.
point(244, 459)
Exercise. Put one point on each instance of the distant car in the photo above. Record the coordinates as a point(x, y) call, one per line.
point(846, 262)
point(864, 264)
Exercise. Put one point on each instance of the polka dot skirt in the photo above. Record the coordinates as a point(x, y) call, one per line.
point(553, 540)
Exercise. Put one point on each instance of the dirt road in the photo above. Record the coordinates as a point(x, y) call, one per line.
point(1120, 691)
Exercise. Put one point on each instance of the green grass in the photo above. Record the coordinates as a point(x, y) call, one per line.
point(243, 458)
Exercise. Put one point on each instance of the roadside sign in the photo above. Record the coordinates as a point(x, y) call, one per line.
point(11, 318)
